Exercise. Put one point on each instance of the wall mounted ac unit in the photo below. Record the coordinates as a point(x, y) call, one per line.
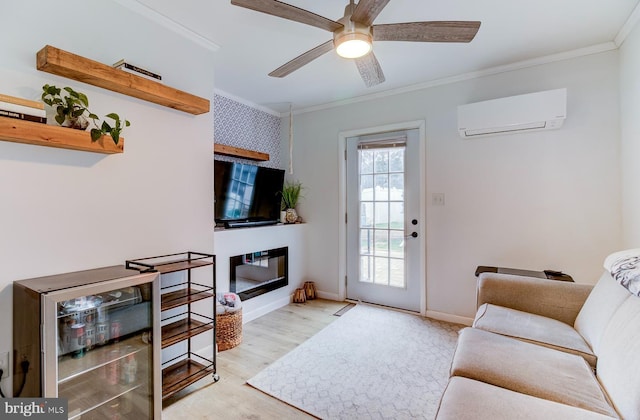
point(531, 112)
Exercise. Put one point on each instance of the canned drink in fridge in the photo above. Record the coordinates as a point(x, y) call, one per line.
point(77, 340)
point(89, 336)
point(116, 329)
point(102, 333)
point(129, 369)
point(88, 316)
point(103, 314)
point(113, 368)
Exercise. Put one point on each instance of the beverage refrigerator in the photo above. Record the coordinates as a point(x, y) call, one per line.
point(87, 337)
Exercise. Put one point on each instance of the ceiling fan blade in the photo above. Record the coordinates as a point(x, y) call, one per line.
point(286, 11)
point(303, 59)
point(436, 31)
point(367, 11)
point(370, 70)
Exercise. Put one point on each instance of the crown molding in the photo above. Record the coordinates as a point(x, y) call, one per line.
point(594, 49)
point(168, 23)
point(628, 26)
point(249, 103)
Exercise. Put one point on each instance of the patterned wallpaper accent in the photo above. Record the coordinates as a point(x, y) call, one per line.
point(239, 125)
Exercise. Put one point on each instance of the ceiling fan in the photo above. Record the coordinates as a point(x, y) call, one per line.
point(354, 33)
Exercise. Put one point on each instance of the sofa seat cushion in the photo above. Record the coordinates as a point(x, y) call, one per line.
point(529, 369)
point(466, 399)
point(534, 329)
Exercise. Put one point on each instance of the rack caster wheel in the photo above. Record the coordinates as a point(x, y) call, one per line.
point(216, 377)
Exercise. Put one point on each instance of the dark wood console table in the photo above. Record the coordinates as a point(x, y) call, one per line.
point(545, 274)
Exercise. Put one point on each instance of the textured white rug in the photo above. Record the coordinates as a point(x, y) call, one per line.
point(371, 363)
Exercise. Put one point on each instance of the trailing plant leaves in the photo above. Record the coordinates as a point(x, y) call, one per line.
point(115, 135)
point(96, 134)
point(83, 98)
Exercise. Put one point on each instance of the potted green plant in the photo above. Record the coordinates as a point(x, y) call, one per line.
point(69, 109)
point(291, 193)
point(70, 112)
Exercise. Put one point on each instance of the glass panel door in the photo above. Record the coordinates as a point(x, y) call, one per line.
point(381, 227)
point(383, 209)
point(103, 351)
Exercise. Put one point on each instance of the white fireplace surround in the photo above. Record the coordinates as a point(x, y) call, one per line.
point(230, 242)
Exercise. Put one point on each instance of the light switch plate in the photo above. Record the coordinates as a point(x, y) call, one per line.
point(437, 199)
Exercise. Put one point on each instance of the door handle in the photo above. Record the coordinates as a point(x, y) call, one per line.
point(412, 235)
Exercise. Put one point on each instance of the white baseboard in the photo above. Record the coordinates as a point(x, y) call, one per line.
point(329, 296)
point(263, 310)
point(455, 319)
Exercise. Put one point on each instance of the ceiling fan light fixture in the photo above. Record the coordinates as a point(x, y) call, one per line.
point(353, 45)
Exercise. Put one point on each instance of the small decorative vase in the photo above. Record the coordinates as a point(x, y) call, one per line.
point(299, 296)
point(310, 290)
point(291, 215)
point(283, 216)
point(78, 123)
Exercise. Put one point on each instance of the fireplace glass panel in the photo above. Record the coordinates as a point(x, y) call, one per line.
point(258, 272)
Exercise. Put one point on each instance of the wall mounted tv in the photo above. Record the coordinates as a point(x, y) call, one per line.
point(246, 195)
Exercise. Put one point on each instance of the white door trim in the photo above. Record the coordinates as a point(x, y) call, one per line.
point(342, 204)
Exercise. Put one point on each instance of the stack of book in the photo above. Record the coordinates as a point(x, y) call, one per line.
point(22, 109)
point(138, 71)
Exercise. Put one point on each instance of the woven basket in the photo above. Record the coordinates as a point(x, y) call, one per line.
point(228, 330)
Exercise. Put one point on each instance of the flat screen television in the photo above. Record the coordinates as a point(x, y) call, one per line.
point(246, 195)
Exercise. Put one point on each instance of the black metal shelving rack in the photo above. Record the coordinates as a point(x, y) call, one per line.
point(189, 367)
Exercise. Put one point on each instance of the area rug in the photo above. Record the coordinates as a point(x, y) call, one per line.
point(371, 363)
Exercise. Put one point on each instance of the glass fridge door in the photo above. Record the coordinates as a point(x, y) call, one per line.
point(98, 348)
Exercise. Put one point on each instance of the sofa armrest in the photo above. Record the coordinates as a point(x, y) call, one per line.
point(554, 299)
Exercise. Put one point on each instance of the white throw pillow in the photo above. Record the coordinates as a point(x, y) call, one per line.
point(624, 267)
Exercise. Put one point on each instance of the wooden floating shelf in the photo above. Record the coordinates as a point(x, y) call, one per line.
point(28, 132)
point(223, 149)
point(62, 63)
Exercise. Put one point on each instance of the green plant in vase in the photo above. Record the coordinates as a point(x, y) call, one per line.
point(69, 109)
point(72, 111)
point(291, 193)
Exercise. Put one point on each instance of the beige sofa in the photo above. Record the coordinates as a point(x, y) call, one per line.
point(544, 349)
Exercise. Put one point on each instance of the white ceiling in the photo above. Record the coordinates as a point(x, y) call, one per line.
point(252, 44)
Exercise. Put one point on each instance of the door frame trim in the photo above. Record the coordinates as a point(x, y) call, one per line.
point(419, 125)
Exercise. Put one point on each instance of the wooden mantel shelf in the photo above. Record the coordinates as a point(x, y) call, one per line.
point(223, 149)
point(62, 63)
point(20, 131)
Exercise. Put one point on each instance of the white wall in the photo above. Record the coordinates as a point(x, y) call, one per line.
point(534, 200)
point(63, 210)
point(630, 136)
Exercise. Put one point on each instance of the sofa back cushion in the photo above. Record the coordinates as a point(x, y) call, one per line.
point(604, 300)
point(618, 366)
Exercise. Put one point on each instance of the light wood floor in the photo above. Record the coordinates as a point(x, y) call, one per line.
point(264, 340)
